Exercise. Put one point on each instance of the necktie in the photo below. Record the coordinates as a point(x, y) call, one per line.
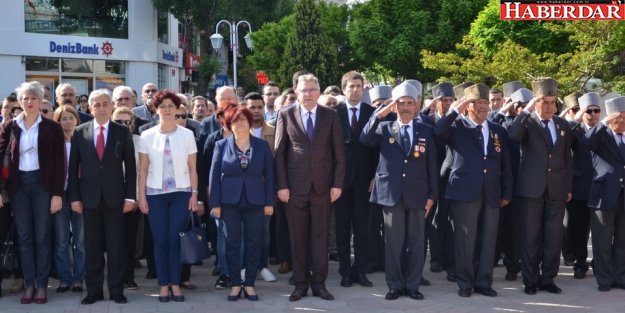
point(354, 122)
point(548, 134)
point(309, 126)
point(621, 146)
point(405, 139)
point(480, 136)
point(99, 146)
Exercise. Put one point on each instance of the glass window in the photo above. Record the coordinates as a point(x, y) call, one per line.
point(108, 83)
point(76, 66)
point(162, 77)
point(42, 64)
point(162, 23)
point(109, 67)
point(89, 18)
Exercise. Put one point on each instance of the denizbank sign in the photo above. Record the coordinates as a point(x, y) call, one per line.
point(78, 48)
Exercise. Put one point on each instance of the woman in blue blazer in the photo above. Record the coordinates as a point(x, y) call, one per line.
point(242, 190)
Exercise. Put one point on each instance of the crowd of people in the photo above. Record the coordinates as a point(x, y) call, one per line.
point(372, 178)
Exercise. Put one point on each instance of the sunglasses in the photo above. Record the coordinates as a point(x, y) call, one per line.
point(45, 111)
point(124, 122)
point(591, 111)
point(575, 109)
point(181, 116)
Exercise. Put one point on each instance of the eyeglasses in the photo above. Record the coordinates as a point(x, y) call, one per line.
point(123, 99)
point(124, 122)
point(181, 116)
point(150, 91)
point(84, 101)
point(591, 111)
point(306, 90)
point(45, 111)
point(272, 94)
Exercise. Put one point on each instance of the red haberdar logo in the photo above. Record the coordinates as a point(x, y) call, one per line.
point(107, 48)
point(562, 10)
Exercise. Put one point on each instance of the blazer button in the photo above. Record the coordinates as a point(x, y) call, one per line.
point(621, 179)
point(485, 158)
point(403, 175)
point(550, 155)
point(485, 171)
point(549, 169)
point(405, 161)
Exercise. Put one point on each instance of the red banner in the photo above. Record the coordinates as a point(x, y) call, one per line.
point(193, 61)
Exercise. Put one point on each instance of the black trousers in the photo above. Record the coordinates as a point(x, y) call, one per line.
point(375, 236)
point(577, 230)
point(283, 241)
point(509, 230)
point(131, 225)
point(608, 244)
point(351, 212)
point(442, 236)
point(103, 232)
point(541, 238)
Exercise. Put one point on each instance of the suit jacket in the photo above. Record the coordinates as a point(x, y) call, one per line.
point(474, 174)
point(111, 179)
point(51, 152)
point(268, 133)
point(359, 158)
point(582, 163)
point(412, 177)
point(609, 167)
point(303, 165)
point(143, 112)
point(228, 180)
point(209, 125)
point(84, 117)
point(542, 169)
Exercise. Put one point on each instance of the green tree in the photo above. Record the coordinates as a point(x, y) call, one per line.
point(308, 47)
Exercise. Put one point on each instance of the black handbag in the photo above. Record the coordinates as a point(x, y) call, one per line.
point(8, 253)
point(193, 242)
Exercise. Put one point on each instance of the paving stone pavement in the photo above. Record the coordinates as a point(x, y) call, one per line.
point(441, 296)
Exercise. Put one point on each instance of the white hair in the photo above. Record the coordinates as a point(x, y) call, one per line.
point(99, 93)
point(119, 89)
point(34, 87)
point(60, 87)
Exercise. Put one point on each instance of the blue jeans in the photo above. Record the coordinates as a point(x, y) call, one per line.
point(252, 220)
point(168, 217)
point(63, 247)
point(33, 221)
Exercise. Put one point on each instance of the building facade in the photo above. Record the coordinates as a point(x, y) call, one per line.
point(91, 44)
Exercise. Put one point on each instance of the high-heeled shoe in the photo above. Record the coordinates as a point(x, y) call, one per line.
point(41, 299)
point(179, 298)
point(250, 297)
point(165, 299)
point(235, 297)
point(29, 295)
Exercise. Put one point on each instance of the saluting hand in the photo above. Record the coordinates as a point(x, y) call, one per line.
point(532, 104)
point(507, 106)
point(461, 105)
point(386, 110)
point(613, 117)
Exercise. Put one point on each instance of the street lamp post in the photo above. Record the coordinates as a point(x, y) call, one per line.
point(217, 41)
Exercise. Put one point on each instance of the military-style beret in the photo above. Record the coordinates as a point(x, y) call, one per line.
point(545, 87)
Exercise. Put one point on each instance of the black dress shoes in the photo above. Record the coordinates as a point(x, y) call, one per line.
point(62, 289)
point(361, 279)
point(552, 288)
point(530, 289)
point(464, 292)
point(579, 273)
point(150, 275)
point(91, 299)
point(298, 293)
point(323, 293)
point(451, 278)
point(486, 291)
point(414, 294)
point(424, 282)
point(346, 281)
point(511, 276)
point(435, 267)
point(604, 288)
point(131, 285)
point(393, 294)
point(121, 299)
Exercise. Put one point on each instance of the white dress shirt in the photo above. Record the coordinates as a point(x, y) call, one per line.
point(552, 129)
point(29, 144)
point(350, 112)
point(96, 132)
point(304, 115)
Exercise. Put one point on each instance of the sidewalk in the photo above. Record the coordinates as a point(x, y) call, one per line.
point(441, 296)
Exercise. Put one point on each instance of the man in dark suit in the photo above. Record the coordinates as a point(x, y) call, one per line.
point(310, 167)
point(479, 184)
point(543, 186)
point(210, 124)
point(607, 219)
point(577, 224)
point(406, 185)
point(102, 180)
point(351, 210)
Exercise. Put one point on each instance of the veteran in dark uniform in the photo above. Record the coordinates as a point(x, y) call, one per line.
point(479, 184)
point(406, 185)
point(543, 186)
point(607, 220)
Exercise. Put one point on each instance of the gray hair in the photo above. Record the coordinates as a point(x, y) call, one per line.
point(119, 89)
point(62, 86)
point(99, 93)
point(308, 78)
point(221, 90)
point(34, 87)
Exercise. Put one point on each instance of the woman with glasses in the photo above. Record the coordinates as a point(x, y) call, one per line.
point(35, 185)
point(242, 192)
point(67, 221)
point(83, 104)
point(168, 188)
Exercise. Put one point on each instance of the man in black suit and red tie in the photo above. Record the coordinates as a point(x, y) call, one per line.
point(351, 210)
point(102, 186)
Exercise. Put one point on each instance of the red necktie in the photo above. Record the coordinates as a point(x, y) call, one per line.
point(99, 146)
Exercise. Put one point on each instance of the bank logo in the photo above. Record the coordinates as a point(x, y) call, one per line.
point(107, 48)
point(80, 48)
